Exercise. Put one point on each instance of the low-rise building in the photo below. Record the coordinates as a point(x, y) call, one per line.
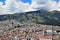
point(46, 38)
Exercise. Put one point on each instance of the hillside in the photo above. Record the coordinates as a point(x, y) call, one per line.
point(39, 17)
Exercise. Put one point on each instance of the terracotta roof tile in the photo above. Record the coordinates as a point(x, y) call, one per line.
point(47, 37)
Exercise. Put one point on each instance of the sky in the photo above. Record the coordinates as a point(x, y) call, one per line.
point(18, 6)
point(25, 1)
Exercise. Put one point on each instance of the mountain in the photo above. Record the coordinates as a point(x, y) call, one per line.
point(39, 17)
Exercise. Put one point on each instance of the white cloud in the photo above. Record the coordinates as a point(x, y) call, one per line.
point(58, 7)
point(15, 6)
point(44, 4)
point(1, 7)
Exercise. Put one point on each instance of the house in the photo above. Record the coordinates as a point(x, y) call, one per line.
point(58, 38)
point(31, 38)
point(37, 37)
point(1, 38)
point(46, 38)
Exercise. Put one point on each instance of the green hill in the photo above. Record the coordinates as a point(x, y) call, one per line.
point(39, 17)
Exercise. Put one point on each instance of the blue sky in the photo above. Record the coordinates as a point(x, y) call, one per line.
point(56, 0)
point(29, 1)
point(25, 1)
point(3, 1)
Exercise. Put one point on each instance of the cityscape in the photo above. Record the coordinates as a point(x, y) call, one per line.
point(13, 30)
point(29, 19)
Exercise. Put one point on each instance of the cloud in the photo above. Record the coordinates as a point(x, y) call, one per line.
point(1, 7)
point(46, 4)
point(43, 4)
point(15, 6)
point(58, 7)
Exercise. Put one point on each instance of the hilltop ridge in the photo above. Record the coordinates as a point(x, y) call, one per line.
point(39, 17)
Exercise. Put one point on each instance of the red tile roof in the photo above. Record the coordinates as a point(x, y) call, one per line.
point(47, 37)
point(1, 38)
point(37, 37)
